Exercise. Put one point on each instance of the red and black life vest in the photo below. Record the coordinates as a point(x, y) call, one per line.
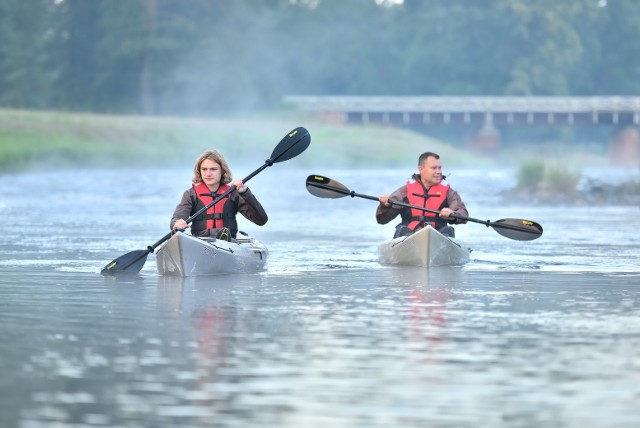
point(217, 216)
point(434, 199)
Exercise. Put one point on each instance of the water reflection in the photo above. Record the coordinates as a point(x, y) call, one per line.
point(342, 346)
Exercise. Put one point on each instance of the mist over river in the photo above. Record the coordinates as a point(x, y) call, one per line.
point(537, 333)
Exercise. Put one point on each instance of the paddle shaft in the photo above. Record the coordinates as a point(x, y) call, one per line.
point(353, 194)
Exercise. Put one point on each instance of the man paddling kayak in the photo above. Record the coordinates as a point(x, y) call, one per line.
point(212, 176)
point(425, 189)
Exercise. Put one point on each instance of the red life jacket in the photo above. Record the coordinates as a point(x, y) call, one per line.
point(212, 218)
point(434, 199)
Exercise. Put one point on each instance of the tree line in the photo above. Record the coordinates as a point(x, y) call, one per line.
point(193, 57)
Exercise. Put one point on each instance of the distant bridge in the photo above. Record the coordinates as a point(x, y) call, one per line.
point(474, 110)
point(485, 116)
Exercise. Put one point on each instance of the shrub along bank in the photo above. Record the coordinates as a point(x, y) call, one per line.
point(548, 183)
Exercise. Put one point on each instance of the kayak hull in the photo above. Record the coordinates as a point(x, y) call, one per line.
point(425, 248)
point(186, 255)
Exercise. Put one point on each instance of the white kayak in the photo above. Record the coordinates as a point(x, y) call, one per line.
point(425, 248)
point(186, 255)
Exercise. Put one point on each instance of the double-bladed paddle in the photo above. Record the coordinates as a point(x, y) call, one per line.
point(512, 228)
point(294, 143)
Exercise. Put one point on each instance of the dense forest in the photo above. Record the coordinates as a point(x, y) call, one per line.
point(194, 57)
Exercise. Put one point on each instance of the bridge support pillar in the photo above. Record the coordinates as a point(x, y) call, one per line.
point(625, 147)
point(487, 139)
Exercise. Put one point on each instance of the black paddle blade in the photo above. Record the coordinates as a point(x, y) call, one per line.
point(517, 229)
point(294, 143)
point(324, 187)
point(129, 263)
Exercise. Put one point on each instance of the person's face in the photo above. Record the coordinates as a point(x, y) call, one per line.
point(430, 171)
point(211, 173)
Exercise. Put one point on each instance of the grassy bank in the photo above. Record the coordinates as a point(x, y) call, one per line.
point(31, 139)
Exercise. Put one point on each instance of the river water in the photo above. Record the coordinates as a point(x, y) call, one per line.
point(538, 333)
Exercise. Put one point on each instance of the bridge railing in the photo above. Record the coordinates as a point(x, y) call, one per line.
point(467, 109)
point(469, 104)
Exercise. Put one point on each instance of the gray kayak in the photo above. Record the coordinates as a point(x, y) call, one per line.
point(425, 248)
point(186, 255)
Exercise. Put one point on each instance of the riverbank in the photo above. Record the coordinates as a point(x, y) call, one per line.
point(543, 183)
point(60, 140)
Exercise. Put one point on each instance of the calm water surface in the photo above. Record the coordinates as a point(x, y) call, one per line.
point(539, 333)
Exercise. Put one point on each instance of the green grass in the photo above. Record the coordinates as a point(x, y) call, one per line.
point(56, 139)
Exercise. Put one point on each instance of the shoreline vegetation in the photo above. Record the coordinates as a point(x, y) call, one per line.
point(58, 140)
point(63, 140)
point(544, 183)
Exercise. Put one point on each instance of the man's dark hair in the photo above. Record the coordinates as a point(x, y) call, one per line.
point(423, 157)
